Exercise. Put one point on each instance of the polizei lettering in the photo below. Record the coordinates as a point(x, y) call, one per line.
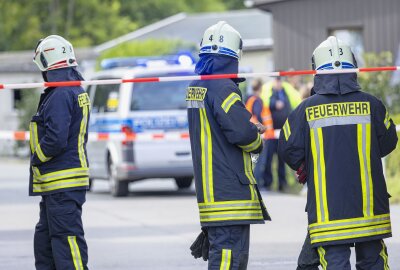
point(337, 110)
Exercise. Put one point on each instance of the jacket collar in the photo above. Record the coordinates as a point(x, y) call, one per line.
point(210, 64)
point(64, 74)
point(336, 84)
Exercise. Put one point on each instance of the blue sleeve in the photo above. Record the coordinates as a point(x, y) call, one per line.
point(257, 109)
point(57, 119)
point(291, 147)
point(234, 120)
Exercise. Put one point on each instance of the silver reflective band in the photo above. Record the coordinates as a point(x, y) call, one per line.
point(61, 184)
point(256, 215)
point(354, 234)
point(340, 121)
point(320, 191)
point(191, 104)
point(62, 174)
point(213, 206)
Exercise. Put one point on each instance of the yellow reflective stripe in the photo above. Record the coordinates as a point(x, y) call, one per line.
point(387, 120)
point(350, 233)
point(60, 174)
point(229, 101)
point(252, 194)
point(61, 184)
point(248, 169)
point(32, 136)
point(384, 256)
point(41, 155)
point(253, 145)
point(81, 137)
point(364, 154)
point(368, 154)
point(206, 157)
point(286, 130)
point(226, 259)
point(323, 172)
point(75, 252)
point(349, 223)
point(322, 260)
point(317, 150)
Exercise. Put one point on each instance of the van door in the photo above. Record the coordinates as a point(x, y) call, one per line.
point(104, 118)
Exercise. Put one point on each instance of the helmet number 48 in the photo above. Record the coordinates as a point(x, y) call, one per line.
point(221, 38)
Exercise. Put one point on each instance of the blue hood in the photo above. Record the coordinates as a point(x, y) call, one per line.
point(210, 64)
point(336, 84)
point(63, 74)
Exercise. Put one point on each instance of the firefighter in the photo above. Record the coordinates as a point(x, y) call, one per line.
point(222, 140)
point(337, 138)
point(59, 169)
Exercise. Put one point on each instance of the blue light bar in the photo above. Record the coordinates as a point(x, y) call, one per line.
point(182, 59)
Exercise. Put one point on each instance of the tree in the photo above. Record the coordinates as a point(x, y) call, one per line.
point(89, 22)
point(377, 83)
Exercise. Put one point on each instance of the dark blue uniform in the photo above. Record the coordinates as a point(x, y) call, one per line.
point(59, 172)
point(222, 138)
point(341, 134)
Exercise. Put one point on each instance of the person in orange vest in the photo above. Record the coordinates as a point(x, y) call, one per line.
point(260, 114)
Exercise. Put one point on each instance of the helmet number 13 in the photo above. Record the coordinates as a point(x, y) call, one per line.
point(340, 51)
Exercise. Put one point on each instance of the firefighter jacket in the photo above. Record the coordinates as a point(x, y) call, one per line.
point(341, 133)
point(261, 114)
point(222, 138)
point(58, 136)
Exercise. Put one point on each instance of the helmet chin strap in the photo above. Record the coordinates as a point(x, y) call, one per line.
point(44, 75)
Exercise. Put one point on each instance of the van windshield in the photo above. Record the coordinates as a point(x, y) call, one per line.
point(159, 96)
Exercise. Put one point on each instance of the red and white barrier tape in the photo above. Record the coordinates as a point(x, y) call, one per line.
point(192, 78)
point(96, 136)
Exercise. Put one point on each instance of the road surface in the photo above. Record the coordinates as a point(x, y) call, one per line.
point(152, 228)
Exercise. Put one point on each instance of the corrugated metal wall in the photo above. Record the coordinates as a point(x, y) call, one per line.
point(299, 26)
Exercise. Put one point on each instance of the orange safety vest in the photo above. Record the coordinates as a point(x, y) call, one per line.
point(265, 115)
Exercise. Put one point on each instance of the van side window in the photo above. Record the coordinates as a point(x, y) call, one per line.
point(106, 98)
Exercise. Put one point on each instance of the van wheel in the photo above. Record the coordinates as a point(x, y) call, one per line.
point(118, 188)
point(183, 182)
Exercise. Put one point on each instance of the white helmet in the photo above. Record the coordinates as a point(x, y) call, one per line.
point(54, 52)
point(333, 54)
point(221, 38)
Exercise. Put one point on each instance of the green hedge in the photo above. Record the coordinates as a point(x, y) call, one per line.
point(393, 169)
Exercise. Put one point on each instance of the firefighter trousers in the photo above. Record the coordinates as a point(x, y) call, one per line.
point(229, 247)
point(59, 242)
point(371, 255)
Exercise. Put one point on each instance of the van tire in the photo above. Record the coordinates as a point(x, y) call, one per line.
point(183, 182)
point(117, 188)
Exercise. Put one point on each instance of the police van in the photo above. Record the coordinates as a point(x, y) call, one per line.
point(140, 109)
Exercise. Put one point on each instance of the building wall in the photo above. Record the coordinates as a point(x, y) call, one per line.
point(299, 26)
point(258, 61)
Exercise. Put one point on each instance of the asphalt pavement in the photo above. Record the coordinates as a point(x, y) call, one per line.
point(153, 227)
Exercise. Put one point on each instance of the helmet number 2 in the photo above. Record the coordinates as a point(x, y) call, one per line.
point(340, 51)
point(63, 49)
